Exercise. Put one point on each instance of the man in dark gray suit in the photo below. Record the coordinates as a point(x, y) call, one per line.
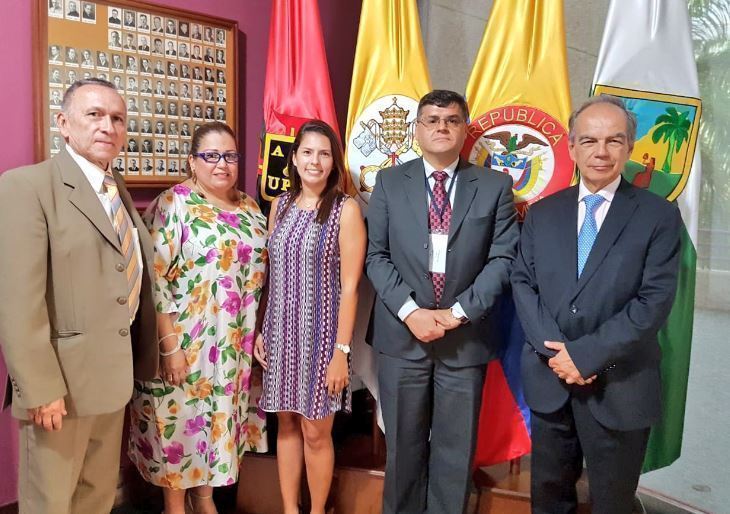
point(594, 281)
point(442, 239)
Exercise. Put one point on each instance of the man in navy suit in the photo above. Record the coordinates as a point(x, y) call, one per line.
point(594, 281)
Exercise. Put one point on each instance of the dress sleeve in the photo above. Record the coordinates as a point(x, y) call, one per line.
point(168, 233)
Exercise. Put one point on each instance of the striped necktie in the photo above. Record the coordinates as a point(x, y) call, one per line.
point(123, 226)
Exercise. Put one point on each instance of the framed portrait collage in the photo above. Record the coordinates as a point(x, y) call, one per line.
point(175, 70)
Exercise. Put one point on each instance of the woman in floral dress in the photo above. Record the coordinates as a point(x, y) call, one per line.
point(191, 426)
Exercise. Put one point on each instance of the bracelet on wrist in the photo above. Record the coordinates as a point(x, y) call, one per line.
point(177, 347)
point(167, 336)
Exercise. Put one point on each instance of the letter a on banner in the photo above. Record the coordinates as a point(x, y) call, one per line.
point(297, 89)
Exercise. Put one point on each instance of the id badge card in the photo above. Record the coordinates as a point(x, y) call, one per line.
point(437, 253)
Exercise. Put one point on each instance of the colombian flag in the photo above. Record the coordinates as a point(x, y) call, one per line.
point(520, 103)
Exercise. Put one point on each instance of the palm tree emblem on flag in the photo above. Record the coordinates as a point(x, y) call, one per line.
point(672, 128)
point(666, 132)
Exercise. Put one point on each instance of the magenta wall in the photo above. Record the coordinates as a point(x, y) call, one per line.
point(339, 21)
point(16, 134)
point(16, 131)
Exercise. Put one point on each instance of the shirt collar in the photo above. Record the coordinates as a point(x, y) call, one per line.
point(450, 169)
point(94, 174)
point(607, 192)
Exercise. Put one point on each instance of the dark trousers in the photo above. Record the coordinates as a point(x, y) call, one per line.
point(560, 441)
point(430, 412)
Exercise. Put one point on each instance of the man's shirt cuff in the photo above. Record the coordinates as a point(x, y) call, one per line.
point(408, 307)
point(458, 312)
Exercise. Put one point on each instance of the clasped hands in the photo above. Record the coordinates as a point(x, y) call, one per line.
point(428, 325)
point(562, 365)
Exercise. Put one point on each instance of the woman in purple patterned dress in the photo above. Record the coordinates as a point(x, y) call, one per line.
point(316, 253)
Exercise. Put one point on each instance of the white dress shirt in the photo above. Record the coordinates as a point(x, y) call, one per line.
point(410, 304)
point(95, 176)
point(607, 193)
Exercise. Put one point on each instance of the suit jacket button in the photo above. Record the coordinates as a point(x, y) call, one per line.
point(449, 250)
point(123, 332)
point(119, 267)
point(122, 300)
point(573, 309)
point(425, 246)
point(425, 275)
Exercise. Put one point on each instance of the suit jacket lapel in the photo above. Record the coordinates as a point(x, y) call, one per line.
point(415, 188)
point(83, 197)
point(567, 238)
point(465, 192)
point(621, 210)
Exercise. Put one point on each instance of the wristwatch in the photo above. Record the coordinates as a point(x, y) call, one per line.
point(344, 348)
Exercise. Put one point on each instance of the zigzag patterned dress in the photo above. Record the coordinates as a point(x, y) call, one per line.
point(300, 324)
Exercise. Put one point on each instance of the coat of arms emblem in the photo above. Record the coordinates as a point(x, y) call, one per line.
point(383, 136)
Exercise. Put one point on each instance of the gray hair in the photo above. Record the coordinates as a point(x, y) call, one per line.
point(605, 99)
point(68, 96)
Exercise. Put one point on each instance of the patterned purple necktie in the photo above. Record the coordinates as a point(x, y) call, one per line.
point(439, 224)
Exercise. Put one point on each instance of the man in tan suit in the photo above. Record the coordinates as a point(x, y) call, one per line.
point(77, 320)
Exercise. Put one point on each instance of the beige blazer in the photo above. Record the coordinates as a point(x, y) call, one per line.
point(64, 320)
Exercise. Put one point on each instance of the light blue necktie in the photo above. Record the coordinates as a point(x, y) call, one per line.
point(588, 231)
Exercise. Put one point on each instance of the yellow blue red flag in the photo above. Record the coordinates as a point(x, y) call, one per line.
point(519, 98)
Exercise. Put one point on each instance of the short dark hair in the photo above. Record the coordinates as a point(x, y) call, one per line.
point(605, 99)
point(444, 98)
point(68, 96)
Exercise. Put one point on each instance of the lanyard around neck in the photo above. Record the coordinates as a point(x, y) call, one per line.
point(440, 208)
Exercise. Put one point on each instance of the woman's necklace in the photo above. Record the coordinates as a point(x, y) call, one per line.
point(309, 205)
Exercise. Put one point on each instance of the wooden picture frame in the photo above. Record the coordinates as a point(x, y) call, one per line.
point(175, 69)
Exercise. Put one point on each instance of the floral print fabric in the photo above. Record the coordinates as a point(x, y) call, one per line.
point(210, 268)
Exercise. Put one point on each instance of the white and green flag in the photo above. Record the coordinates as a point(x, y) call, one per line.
point(646, 58)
